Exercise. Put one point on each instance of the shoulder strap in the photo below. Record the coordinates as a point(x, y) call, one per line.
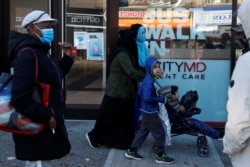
point(28, 48)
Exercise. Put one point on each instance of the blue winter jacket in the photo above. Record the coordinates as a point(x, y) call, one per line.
point(147, 92)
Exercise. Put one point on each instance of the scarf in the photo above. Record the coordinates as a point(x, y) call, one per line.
point(141, 45)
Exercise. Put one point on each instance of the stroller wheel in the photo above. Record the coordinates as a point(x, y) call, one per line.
point(203, 151)
point(202, 141)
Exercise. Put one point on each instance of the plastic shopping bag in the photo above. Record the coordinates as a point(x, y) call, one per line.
point(163, 114)
point(10, 120)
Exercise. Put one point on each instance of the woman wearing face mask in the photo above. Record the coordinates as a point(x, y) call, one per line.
point(24, 50)
point(141, 55)
point(142, 49)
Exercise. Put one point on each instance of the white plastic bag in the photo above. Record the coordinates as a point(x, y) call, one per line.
point(163, 114)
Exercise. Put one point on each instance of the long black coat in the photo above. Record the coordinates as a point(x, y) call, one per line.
point(46, 145)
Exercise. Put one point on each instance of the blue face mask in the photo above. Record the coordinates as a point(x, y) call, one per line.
point(47, 35)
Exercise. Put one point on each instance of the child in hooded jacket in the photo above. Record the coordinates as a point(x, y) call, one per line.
point(151, 121)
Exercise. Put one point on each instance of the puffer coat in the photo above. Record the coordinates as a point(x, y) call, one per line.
point(45, 145)
point(237, 130)
point(236, 140)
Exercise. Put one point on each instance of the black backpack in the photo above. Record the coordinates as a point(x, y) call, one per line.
point(189, 100)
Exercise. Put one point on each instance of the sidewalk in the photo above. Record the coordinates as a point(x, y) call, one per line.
point(183, 149)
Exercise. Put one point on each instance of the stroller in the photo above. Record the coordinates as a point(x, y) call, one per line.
point(179, 123)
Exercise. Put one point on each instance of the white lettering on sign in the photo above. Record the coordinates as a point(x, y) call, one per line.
point(178, 15)
point(189, 70)
point(219, 17)
point(19, 19)
point(164, 24)
point(131, 14)
point(85, 19)
point(166, 32)
point(153, 13)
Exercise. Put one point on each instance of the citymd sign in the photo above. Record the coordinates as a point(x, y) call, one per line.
point(75, 19)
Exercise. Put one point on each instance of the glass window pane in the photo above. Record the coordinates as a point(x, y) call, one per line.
point(192, 40)
point(19, 8)
point(86, 29)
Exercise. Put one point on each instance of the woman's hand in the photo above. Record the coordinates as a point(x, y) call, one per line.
point(181, 108)
point(52, 123)
point(67, 48)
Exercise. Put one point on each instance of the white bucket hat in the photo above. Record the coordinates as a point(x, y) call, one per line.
point(37, 16)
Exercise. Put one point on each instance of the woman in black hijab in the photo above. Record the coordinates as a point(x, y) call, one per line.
point(114, 126)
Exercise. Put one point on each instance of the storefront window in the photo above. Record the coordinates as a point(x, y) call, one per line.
point(19, 8)
point(192, 40)
point(86, 30)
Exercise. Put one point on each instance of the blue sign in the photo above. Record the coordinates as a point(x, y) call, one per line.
point(209, 77)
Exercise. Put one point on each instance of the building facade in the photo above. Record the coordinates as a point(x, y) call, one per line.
point(192, 39)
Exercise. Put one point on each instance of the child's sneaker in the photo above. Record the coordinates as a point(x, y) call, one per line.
point(133, 155)
point(164, 159)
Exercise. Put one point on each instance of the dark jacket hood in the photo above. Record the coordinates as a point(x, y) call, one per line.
point(19, 40)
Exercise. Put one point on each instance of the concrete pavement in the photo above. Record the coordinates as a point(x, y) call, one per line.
point(183, 149)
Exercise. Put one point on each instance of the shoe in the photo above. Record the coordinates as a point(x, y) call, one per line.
point(133, 155)
point(91, 143)
point(164, 159)
point(221, 135)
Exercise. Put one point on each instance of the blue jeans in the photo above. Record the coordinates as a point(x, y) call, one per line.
point(204, 128)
